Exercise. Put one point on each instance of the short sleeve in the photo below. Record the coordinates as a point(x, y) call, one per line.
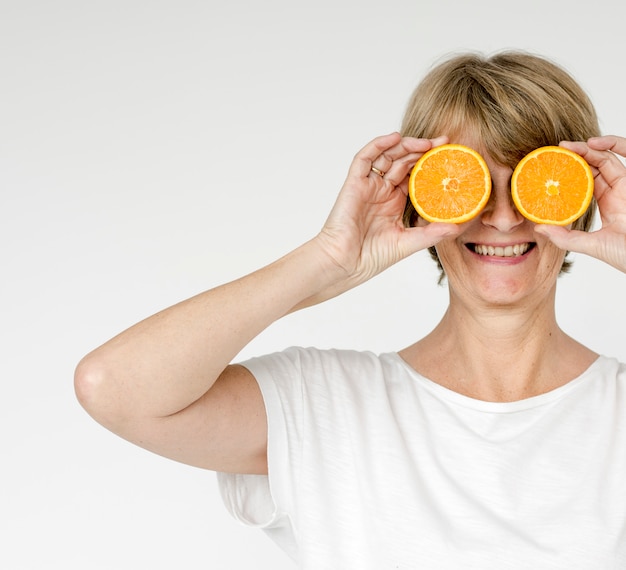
point(265, 501)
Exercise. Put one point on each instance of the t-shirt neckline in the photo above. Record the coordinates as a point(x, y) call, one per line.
point(499, 407)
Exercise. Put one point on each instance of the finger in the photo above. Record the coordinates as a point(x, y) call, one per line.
point(607, 168)
point(438, 141)
point(383, 151)
point(609, 142)
point(607, 248)
point(569, 240)
point(398, 172)
point(396, 162)
point(409, 146)
point(595, 158)
point(418, 238)
point(389, 157)
point(363, 160)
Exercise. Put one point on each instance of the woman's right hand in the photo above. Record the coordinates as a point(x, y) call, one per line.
point(364, 233)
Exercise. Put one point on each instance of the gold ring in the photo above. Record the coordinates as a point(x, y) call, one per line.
point(377, 171)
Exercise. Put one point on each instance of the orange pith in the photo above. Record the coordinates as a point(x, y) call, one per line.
point(449, 183)
point(552, 185)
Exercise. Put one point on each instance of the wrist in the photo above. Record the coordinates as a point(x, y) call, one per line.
point(320, 274)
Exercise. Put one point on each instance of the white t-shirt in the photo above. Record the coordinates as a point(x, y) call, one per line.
point(373, 466)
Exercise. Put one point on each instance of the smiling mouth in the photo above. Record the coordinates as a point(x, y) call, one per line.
point(516, 250)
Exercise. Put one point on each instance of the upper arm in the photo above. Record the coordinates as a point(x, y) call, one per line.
point(224, 430)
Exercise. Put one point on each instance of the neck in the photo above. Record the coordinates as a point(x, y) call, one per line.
point(499, 353)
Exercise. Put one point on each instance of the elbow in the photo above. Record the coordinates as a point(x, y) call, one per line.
point(92, 387)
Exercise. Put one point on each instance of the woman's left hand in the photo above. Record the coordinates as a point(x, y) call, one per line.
point(609, 242)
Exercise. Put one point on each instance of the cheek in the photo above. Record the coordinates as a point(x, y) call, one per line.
point(552, 259)
point(550, 250)
point(449, 254)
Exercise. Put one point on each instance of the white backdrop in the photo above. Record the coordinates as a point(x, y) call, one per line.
point(153, 149)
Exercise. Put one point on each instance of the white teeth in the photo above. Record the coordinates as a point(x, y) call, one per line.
point(498, 251)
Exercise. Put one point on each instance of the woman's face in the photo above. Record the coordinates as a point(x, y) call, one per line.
point(497, 259)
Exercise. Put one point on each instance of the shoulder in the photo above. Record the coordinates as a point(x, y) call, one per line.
point(609, 368)
point(604, 379)
point(328, 368)
point(614, 370)
point(302, 358)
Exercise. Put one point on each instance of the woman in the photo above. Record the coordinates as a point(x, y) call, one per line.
point(496, 441)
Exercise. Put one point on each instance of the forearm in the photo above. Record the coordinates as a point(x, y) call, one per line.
point(166, 362)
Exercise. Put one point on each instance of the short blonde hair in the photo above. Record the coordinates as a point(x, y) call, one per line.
point(514, 102)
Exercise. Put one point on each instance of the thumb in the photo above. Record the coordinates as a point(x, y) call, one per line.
point(568, 240)
point(422, 237)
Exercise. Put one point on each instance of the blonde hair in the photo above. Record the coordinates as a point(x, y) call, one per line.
point(512, 102)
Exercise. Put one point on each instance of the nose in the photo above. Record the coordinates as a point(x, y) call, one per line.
point(500, 212)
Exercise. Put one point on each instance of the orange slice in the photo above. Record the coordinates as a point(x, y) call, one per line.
point(449, 183)
point(552, 185)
